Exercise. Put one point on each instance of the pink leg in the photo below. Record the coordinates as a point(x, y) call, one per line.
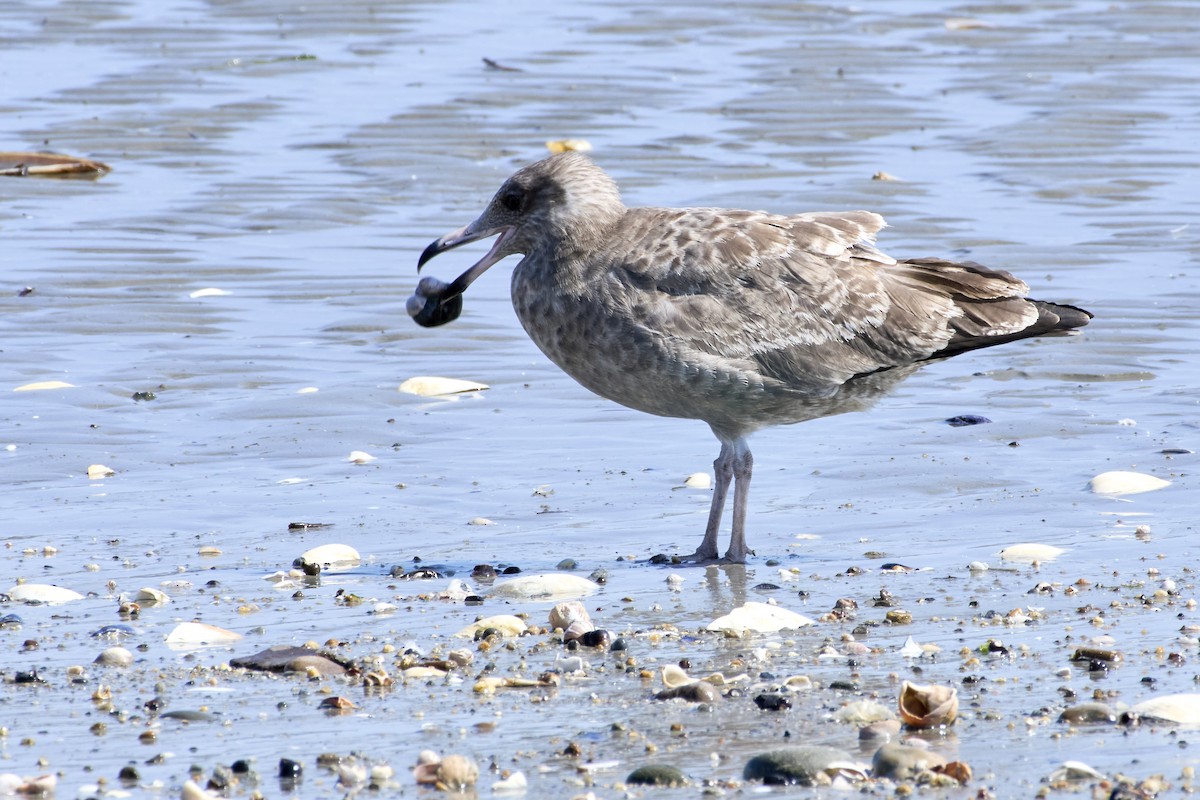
point(743, 467)
point(723, 469)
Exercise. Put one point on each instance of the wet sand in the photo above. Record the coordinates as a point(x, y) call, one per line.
point(300, 161)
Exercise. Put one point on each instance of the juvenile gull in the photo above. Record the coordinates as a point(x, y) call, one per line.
point(742, 319)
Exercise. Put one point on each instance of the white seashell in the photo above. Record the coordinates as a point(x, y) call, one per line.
point(506, 624)
point(480, 521)
point(208, 292)
point(513, 783)
point(1075, 771)
point(1182, 709)
point(911, 649)
point(308, 390)
point(290, 481)
point(457, 590)
point(208, 551)
point(430, 386)
point(331, 555)
point(359, 457)
point(758, 618)
point(863, 712)
point(97, 471)
point(198, 634)
point(40, 386)
point(385, 608)
point(570, 665)
point(698, 480)
point(547, 586)
point(1121, 482)
point(978, 566)
point(674, 675)
point(194, 791)
point(1028, 552)
point(42, 593)
point(563, 614)
point(798, 683)
point(114, 657)
point(150, 595)
point(352, 774)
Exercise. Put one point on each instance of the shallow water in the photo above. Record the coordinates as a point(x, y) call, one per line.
point(300, 158)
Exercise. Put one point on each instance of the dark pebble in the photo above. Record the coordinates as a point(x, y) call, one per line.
point(618, 645)
point(567, 564)
point(599, 576)
point(186, 715)
point(963, 420)
point(28, 677)
point(792, 765)
point(511, 571)
point(656, 775)
point(113, 632)
point(144, 396)
point(698, 692)
point(473, 600)
point(483, 572)
point(596, 638)
point(10, 622)
point(844, 686)
point(772, 702)
point(221, 779)
point(240, 767)
point(1088, 714)
point(765, 587)
point(660, 558)
point(290, 769)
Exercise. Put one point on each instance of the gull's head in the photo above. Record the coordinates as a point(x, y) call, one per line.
point(561, 201)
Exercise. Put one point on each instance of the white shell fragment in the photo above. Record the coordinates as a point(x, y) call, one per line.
point(359, 457)
point(698, 480)
point(1122, 482)
point(98, 471)
point(515, 783)
point(194, 791)
point(1182, 709)
point(151, 596)
point(42, 593)
point(211, 291)
point(548, 586)
point(198, 634)
point(431, 386)
point(331, 554)
point(758, 618)
point(44, 385)
point(1029, 552)
point(506, 624)
point(114, 657)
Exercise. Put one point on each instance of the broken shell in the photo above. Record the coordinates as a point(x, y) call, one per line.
point(673, 675)
point(457, 773)
point(548, 586)
point(44, 385)
point(198, 634)
point(564, 614)
point(431, 386)
point(331, 554)
point(1029, 552)
point(504, 624)
point(1122, 482)
point(698, 480)
point(758, 618)
point(928, 705)
point(97, 471)
point(152, 596)
point(42, 593)
point(359, 457)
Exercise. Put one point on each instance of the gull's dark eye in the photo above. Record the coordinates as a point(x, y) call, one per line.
point(513, 198)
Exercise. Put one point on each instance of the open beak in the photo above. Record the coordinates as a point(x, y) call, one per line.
point(462, 236)
point(436, 303)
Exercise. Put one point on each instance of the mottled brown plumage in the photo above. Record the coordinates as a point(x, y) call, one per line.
point(738, 318)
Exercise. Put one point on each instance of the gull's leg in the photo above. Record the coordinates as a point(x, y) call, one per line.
point(723, 469)
point(742, 467)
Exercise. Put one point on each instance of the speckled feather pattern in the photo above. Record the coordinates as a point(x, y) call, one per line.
point(741, 318)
